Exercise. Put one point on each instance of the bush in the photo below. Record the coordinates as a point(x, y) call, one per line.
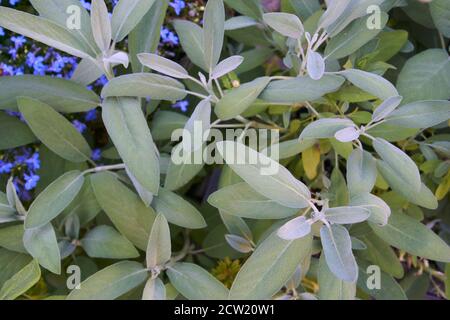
point(302, 172)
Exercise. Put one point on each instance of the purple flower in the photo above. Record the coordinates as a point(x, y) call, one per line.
point(80, 126)
point(182, 105)
point(96, 154)
point(31, 181)
point(178, 6)
point(168, 37)
point(19, 41)
point(91, 115)
point(5, 167)
point(33, 162)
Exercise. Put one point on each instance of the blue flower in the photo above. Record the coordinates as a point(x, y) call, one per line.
point(80, 126)
point(96, 154)
point(5, 167)
point(18, 41)
point(91, 115)
point(182, 105)
point(2, 32)
point(178, 6)
point(168, 37)
point(33, 162)
point(31, 181)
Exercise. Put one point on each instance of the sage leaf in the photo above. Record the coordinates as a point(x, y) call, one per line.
point(198, 124)
point(296, 228)
point(111, 282)
point(274, 261)
point(238, 243)
point(163, 65)
point(251, 8)
point(191, 38)
point(177, 210)
point(144, 85)
point(101, 24)
point(62, 95)
point(154, 290)
point(315, 65)
point(440, 11)
point(226, 66)
point(126, 15)
point(347, 215)
point(278, 184)
point(337, 249)
point(11, 238)
point(247, 203)
point(420, 114)
point(301, 89)
point(287, 24)
point(361, 172)
point(42, 245)
point(43, 30)
point(379, 210)
point(115, 199)
point(399, 161)
point(54, 199)
point(159, 247)
point(236, 101)
point(54, 130)
point(331, 287)
point(347, 134)
point(129, 131)
point(213, 32)
point(195, 283)
point(23, 280)
point(239, 22)
point(386, 108)
point(410, 235)
point(105, 242)
point(14, 133)
point(371, 83)
point(325, 128)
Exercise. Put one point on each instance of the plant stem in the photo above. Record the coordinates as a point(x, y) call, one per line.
point(105, 168)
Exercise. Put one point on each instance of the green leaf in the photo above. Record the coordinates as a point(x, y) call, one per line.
point(111, 282)
point(191, 38)
point(177, 210)
point(11, 238)
point(371, 83)
point(116, 199)
point(420, 114)
point(289, 25)
point(145, 85)
point(251, 8)
point(54, 130)
point(433, 66)
point(236, 101)
point(325, 128)
point(347, 215)
point(43, 30)
point(331, 287)
point(253, 58)
point(361, 172)
point(145, 37)
point(305, 8)
point(440, 11)
point(400, 162)
point(213, 32)
point(54, 199)
point(179, 174)
point(289, 148)
point(128, 129)
point(62, 95)
point(42, 245)
point(57, 11)
point(301, 89)
point(105, 242)
point(159, 247)
point(422, 197)
point(389, 288)
point(101, 25)
point(379, 210)
point(337, 248)
point(14, 133)
point(239, 22)
point(126, 16)
point(154, 290)
point(163, 65)
point(265, 175)
point(352, 38)
point(165, 122)
point(274, 261)
point(408, 234)
point(21, 281)
point(247, 203)
point(226, 66)
point(195, 283)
